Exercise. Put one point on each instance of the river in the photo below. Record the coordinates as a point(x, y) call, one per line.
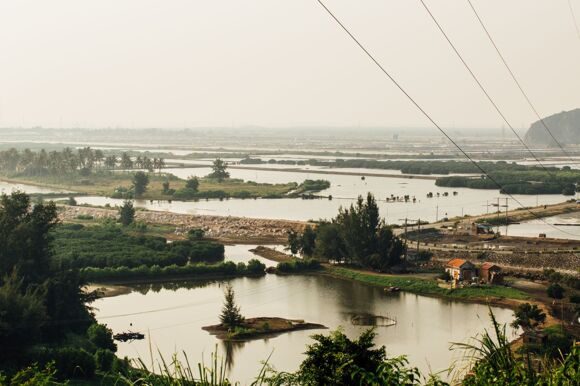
point(344, 190)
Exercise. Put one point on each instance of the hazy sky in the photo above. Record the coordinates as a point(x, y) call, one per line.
point(186, 63)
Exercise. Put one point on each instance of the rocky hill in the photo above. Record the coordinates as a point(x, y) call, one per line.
point(565, 126)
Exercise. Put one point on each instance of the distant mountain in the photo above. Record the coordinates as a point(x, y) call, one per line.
point(565, 126)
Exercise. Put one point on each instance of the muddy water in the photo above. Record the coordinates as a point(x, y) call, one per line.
point(344, 190)
point(172, 316)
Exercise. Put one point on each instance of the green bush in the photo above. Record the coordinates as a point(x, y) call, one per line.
point(104, 359)
point(77, 247)
point(298, 265)
point(101, 337)
point(190, 270)
point(68, 362)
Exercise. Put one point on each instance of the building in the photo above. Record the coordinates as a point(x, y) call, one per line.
point(481, 229)
point(534, 337)
point(490, 273)
point(460, 269)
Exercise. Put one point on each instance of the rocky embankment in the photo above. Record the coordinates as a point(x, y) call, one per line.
point(228, 229)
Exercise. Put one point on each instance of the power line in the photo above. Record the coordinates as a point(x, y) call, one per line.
point(574, 18)
point(516, 80)
point(416, 104)
point(484, 90)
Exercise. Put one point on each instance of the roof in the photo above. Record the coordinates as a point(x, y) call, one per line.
point(489, 266)
point(458, 263)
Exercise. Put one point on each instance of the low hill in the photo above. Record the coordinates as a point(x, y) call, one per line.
point(565, 126)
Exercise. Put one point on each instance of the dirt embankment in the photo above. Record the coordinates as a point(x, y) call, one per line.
point(227, 229)
point(271, 254)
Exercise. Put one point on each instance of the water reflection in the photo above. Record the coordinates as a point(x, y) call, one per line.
point(174, 316)
point(230, 348)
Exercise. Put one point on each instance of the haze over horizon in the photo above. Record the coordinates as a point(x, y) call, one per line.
point(278, 64)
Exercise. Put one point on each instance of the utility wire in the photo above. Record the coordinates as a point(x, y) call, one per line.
point(484, 90)
point(574, 18)
point(418, 106)
point(516, 80)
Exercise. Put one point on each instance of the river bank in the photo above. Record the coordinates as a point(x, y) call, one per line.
point(238, 230)
point(163, 186)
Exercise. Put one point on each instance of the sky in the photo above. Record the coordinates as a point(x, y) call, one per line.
point(274, 63)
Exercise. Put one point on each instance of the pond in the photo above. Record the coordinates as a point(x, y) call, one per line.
point(172, 314)
point(533, 228)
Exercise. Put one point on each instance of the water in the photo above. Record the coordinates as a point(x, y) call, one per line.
point(533, 228)
point(344, 189)
point(172, 316)
point(8, 187)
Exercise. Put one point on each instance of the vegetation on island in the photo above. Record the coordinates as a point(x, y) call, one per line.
point(108, 244)
point(514, 178)
point(92, 171)
point(357, 235)
point(234, 326)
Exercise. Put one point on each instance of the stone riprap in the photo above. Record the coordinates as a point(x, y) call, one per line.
point(220, 227)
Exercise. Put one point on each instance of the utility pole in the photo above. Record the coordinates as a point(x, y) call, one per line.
point(506, 216)
point(437, 214)
point(418, 234)
point(498, 210)
point(405, 238)
point(406, 224)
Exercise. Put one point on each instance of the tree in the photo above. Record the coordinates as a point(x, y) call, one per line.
point(158, 163)
point(165, 187)
point(528, 316)
point(219, 170)
point(140, 182)
point(101, 336)
point(294, 244)
point(308, 242)
point(329, 242)
point(335, 359)
point(192, 183)
point(111, 162)
point(195, 234)
point(127, 213)
point(126, 162)
point(147, 164)
point(230, 316)
point(35, 292)
point(25, 237)
point(19, 308)
point(555, 291)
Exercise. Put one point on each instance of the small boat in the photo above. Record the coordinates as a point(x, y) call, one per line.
point(128, 336)
point(392, 289)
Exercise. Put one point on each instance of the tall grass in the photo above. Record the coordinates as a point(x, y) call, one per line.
point(180, 372)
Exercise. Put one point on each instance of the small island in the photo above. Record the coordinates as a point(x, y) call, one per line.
point(234, 326)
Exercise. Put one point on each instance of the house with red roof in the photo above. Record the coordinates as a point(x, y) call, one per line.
point(490, 273)
point(461, 270)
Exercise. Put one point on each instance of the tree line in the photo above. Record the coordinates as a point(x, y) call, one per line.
point(84, 160)
point(357, 235)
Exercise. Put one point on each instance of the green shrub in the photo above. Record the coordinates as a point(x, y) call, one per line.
point(101, 337)
point(298, 265)
point(104, 359)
